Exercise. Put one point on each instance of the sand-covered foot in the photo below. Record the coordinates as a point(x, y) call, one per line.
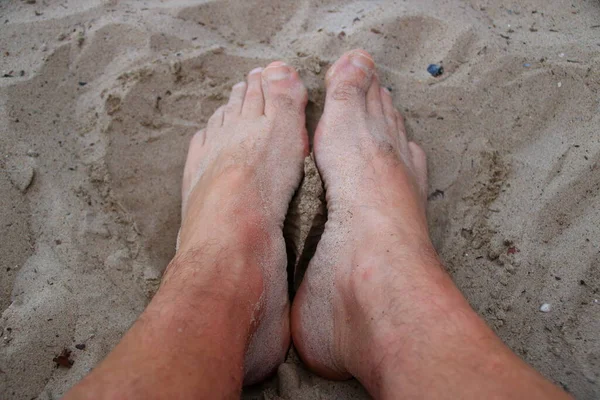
point(240, 175)
point(375, 184)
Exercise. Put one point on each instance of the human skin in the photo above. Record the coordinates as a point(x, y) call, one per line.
point(376, 302)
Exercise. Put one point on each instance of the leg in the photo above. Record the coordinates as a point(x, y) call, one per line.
point(376, 302)
point(220, 316)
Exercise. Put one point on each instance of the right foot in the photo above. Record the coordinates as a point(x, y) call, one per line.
point(376, 185)
point(375, 302)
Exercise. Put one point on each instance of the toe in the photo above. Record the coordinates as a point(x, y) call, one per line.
point(349, 79)
point(236, 101)
point(419, 160)
point(374, 104)
point(283, 90)
point(254, 102)
point(216, 120)
point(402, 138)
point(388, 108)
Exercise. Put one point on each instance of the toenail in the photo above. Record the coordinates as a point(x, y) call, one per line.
point(330, 72)
point(277, 73)
point(239, 85)
point(277, 64)
point(256, 70)
point(386, 90)
point(362, 61)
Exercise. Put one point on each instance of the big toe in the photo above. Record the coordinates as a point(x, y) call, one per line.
point(349, 79)
point(283, 90)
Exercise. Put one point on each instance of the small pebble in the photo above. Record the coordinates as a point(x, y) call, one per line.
point(435, 70)
point(559, 84)
point(22, 176)
point(527, 65)
point(546, 307)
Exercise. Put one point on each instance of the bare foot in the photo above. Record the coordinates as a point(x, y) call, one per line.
point(375, 302)
point(376, 194)
point(240, 175)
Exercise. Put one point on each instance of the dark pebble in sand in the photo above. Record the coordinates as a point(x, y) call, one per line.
point(64, 359)
point(435, 70)
point(437, 194)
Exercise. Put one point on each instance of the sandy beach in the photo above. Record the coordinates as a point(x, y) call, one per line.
point(98, 101)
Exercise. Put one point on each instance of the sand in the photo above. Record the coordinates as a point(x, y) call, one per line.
point(98, 100)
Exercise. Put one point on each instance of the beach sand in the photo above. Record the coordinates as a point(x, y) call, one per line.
point(98, 100)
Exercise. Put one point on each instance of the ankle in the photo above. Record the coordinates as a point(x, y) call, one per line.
point(240, 227)
point(426, 349)
point(398, 261)
point(399, 300)
point(417, 327)
point(214, 272)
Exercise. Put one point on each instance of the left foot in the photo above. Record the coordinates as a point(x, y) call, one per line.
point(239, 178)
